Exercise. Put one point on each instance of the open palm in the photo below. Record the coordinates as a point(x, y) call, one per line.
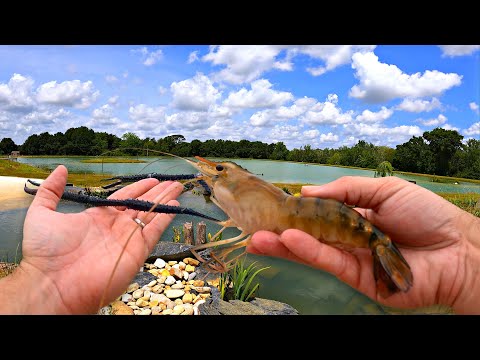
point(423, 225)
point(77, 252)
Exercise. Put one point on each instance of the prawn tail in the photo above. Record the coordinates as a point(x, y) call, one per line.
point(391, 270)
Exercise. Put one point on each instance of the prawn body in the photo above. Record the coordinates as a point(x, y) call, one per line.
point(253, 204)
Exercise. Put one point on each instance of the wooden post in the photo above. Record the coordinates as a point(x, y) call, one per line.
point(201, 233)
point(188, 233)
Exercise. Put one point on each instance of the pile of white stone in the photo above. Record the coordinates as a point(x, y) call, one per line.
point(174, 291)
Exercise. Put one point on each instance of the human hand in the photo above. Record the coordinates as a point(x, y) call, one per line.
point(68, 258)
point(439, 241)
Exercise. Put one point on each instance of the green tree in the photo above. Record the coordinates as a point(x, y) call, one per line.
point(384, 169)
point(280, 151)
point(466, 162)
point(130, 141)
point(80, 141)
point(443, 144)
point(414, 156)
point(7, 145)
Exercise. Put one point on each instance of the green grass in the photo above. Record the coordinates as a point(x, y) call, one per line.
point(111, 161)
point(467, 201)
point(238, 282)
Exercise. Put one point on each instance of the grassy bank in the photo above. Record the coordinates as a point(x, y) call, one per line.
point(111, 161)
point(12, 168)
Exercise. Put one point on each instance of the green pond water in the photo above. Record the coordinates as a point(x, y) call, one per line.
point(308, 290)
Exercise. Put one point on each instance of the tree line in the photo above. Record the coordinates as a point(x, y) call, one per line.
point(438, 152)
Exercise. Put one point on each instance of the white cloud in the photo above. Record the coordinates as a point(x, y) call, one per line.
point(283, 113)
point(197, 93)
point(473, 130)
point(244, 63)
point(449, 127)
point(113, 100)
point(418, 105)
point(103, 116)
point(382, 82)
point(188, 120)
point(45, 116)
point(474, 107)
point(381, 135)
point(72, 93)
point(147, 118)
point(111, 79)
point(192, 57)
point(439, 120)
point(311, 134)
point(327, 113)
point(261, 95)
point(284, 132)
point(149, 58)
point(17, 94)
point(332, 55)
point(328, 138)
point(458, 50)
point(371, 117)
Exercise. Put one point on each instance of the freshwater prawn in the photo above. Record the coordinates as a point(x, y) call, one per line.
point(253, 204)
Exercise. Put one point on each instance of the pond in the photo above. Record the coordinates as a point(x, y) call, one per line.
point(309, 290)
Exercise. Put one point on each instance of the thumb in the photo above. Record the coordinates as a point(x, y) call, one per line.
point(51, 190)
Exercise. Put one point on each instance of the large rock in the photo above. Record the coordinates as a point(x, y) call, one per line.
point(272, 307)
point(170, 251)
point(143, 278)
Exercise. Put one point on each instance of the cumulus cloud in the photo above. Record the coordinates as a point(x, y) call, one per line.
point(72, 93)
point(418, 105)
point(45, 116)
point(147, 118)
point(381, 82)
point(327, 113)
point(190, 120)
point(473, 130)
point(17, 94)
point(328, 138)
point(261, 95)
point(245, 63)
point(197, 93)
point(284, 133)
point(332, 55)
point(378, 134)
point(458, 50)
point(368, 116)
point(283, 113)
point(439, 120)
point(311, 134)
point(162, 90)
point(474, 107)
point(449, 127)
point(149, 58)
point(103, 116)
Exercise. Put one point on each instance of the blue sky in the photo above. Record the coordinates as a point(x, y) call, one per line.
point(325, 96)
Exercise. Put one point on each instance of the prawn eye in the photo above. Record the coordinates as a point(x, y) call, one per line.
point(219, 168)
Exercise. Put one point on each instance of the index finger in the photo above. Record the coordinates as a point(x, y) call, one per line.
point(360, 191)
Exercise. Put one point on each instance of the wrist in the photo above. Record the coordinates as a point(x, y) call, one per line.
point(28, 291)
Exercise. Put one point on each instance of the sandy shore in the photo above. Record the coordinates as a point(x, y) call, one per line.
point(12, 195)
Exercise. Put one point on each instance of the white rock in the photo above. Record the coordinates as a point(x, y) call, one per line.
point(156, 310)
point(137, 312)
point(159, 297)
point(187, 312)
point(185, 275)
point(145, 312)
point(176, 266)
point(132, 287)
point(178, 309)
point(152, 283)
point(170, 280)
point(174, 293)
point(137, 294)
point(192, 275)
point(182, 265)
point(195, 311)
point(202, 289)
point(170, 304)
point(146, 295)
point(161, 279)
point(134, 307)
point(127, 298)
point(159, 263)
